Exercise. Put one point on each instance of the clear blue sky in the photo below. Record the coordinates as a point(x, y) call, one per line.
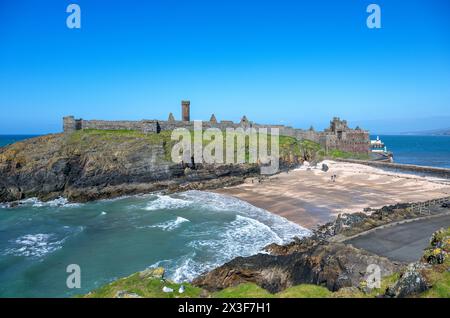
point(293, 62)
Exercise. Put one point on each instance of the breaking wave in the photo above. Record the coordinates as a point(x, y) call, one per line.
point(283, 228)
point(212, 244)
point(36, 203)
point(166, 202)
point(35, 245)
point(170, 225)
point(40, 244)
point(191, 233)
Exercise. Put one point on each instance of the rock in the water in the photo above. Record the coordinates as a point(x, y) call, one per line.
point(152, 273)
point(411, 282)
point(324, 167)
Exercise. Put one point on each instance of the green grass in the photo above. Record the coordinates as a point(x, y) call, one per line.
point(440, 286)
point(149, 288)
point(152, 288)
point(96, 138)
point(252, 290)
point(289, 147)
point(305, 291)
point(249, 290)
point(82, 140)
point(438, 275)
point(335, 154)
point(81, 136)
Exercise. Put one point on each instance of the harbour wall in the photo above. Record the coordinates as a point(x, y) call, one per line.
point(420, 170)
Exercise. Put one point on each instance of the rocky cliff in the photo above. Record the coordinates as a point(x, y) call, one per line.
point(91, 164)
point(310, 261)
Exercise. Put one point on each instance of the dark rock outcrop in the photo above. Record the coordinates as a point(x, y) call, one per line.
point(90, 165)
point(411, 282)
point(333, 265)
point(83, 167)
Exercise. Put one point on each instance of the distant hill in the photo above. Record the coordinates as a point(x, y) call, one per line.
point(436, 132)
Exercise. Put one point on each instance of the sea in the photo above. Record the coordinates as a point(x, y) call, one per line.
point(431, 151)
point(187, 233)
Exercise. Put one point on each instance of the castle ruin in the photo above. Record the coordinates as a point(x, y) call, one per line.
point(338, 136)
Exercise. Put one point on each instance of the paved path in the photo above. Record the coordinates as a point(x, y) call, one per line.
point(403, 242)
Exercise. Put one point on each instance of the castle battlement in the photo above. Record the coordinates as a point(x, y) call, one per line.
point(337, 136)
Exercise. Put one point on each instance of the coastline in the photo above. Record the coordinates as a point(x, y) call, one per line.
point(305, 195)
point(308, 197)
point(318, 266)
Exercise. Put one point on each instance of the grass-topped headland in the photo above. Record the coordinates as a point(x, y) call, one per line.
point(429, 277)
point(90, 164)
point(288, 146)
point(152, 286)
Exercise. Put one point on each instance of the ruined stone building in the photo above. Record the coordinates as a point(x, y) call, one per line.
point(337, 136)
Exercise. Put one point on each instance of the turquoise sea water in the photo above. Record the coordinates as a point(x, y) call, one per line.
point(187, 233)
point(419, 150)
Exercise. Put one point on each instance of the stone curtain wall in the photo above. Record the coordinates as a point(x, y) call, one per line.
point(143, 125)
point(356, 141)
point(349, 140)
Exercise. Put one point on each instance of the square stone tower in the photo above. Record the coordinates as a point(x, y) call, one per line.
point(185, 110)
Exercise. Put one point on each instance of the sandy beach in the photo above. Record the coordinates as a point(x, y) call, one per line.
point(308, 196)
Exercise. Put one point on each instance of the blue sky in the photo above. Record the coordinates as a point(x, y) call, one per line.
point(291, 62)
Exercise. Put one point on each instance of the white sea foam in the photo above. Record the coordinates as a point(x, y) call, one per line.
point(166, 202)
point(35, 245)
point(242, 237)
point(170, 225)
point(247, 234)
point(230, 228)
point(285, 229)
point(36, 203)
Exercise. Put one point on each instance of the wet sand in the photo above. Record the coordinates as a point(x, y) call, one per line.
point(308, 197)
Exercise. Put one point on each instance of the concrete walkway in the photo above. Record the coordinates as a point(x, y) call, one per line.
point(403, 242)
